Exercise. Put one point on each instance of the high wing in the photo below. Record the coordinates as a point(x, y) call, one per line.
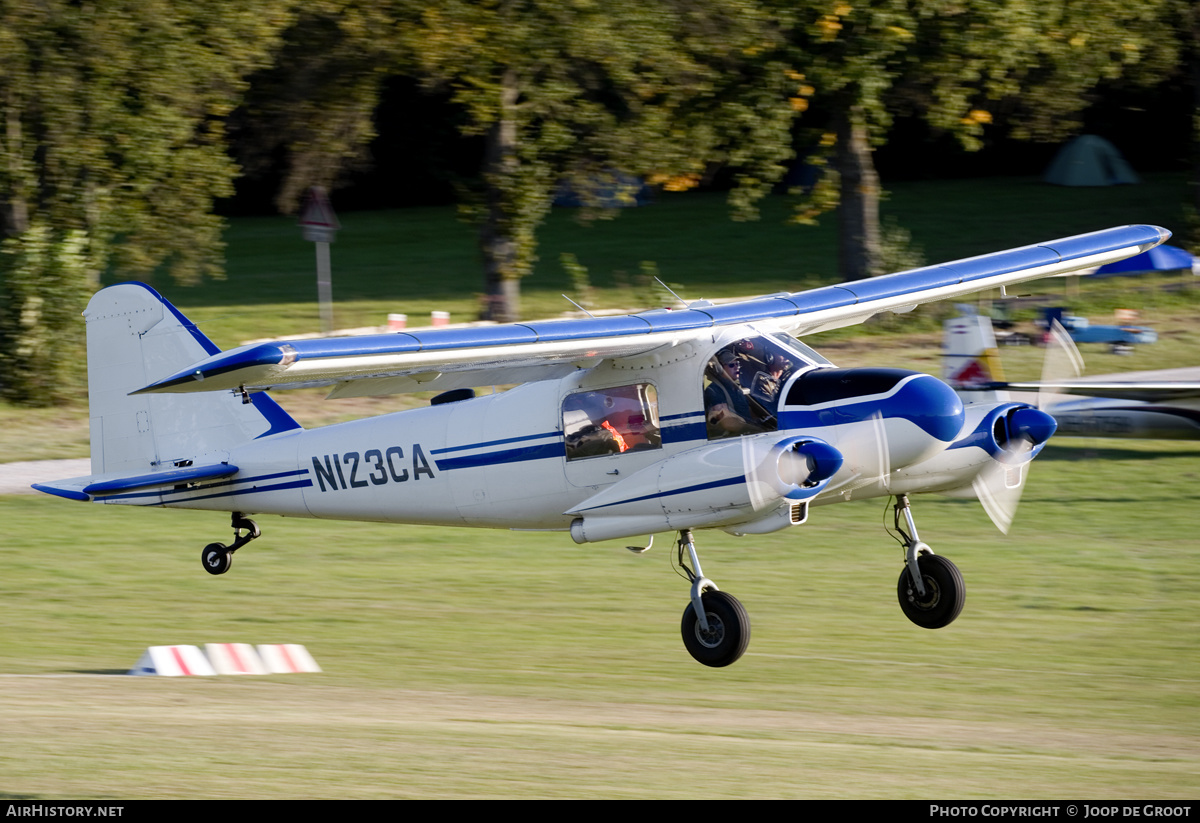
point(443, 359)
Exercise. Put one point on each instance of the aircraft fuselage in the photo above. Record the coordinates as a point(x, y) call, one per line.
point(632, 438)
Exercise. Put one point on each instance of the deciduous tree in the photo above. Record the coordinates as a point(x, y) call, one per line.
point(581, 94)
point(112, 152)
point(961, 65)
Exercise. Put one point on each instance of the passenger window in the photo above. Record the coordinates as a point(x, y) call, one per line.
point(611, 421)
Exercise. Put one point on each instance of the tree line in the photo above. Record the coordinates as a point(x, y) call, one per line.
point(122, 123)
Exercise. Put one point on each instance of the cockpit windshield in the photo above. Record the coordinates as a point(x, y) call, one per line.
point(806, 353)
point(743, 380)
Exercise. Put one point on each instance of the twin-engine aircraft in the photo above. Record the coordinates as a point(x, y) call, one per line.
point(706, 417)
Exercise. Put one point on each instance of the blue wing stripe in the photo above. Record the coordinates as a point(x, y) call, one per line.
point(663, 320)
point(988, 265)
point(438, 339)
point(827, 297)
point(902, 283)
point(1097, 242)
point(584, 329)
point(751, 310)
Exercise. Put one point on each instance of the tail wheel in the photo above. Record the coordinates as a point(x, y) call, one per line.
point(944, 595)
point(728, 632)
point(217, 558)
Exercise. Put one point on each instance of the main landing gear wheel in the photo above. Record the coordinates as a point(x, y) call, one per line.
point(944, 594)
point(716, 628)
point(728, 632)
point(216, 558)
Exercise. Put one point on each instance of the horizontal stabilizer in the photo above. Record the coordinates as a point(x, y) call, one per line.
point(84, 488)
point(174, 477)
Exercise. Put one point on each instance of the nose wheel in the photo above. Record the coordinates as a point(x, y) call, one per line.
point(217, 557)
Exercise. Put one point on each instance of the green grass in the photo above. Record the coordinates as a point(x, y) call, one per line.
point(493, 664)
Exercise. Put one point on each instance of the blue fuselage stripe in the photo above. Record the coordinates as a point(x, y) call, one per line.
point(714, 484)
point(470, 461)
point(684, 433)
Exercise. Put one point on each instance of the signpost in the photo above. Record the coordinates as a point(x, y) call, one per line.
point(320, 225)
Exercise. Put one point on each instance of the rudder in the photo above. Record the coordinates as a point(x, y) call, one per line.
point(970, 361)
point(135, 337)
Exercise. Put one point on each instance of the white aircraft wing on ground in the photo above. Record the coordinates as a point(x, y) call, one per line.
point(1122, 387)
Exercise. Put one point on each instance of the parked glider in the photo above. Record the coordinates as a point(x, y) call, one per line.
point(1163, 404)
point(708, 417)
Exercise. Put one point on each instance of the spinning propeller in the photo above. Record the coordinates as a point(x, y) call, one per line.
point(795, 468)
point(1019, 431)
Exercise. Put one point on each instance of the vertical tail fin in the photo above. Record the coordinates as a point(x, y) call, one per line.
point(970, 361)
point(134, 337)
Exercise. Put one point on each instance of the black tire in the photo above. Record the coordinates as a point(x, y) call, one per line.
point(729, 630)
point(216, 558)
point(945, 593)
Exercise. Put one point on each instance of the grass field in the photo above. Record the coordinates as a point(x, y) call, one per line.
point(490, 664)
point(496, 664)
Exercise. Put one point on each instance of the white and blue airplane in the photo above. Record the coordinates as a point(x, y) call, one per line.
point(706, 417)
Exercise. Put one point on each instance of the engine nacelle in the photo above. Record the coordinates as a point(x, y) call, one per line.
point(1008, 433)
point(721, 483)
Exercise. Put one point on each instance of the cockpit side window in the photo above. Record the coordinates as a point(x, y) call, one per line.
point(742, 384)
point(611, 421)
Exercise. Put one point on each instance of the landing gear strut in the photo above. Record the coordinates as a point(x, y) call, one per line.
point(715, 628)
point(217, 557)
point(931, 588)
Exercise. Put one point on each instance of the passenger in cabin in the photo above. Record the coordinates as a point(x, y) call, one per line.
point(611, 421)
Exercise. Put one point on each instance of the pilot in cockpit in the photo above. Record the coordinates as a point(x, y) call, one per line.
point(742, 386)
point(726, 408)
